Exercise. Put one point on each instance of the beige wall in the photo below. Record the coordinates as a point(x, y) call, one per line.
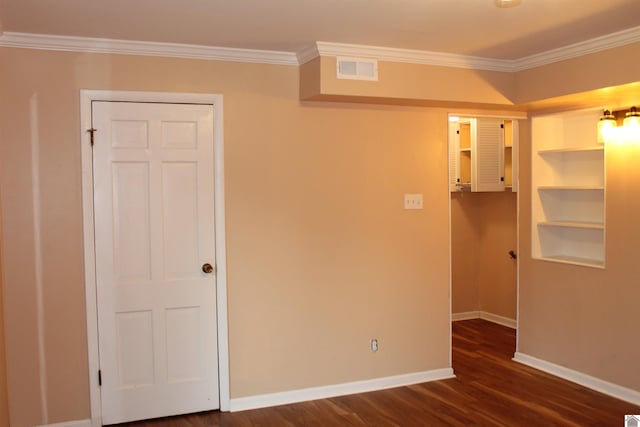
point(585, 318)
point(410, 83)
point(483, 230)
point(321, 256)
point(465, 252)
point(31, 97)
point(574, 316)
point(4, 404)
point(598, 70)
point(497, 271)
point(588, 80)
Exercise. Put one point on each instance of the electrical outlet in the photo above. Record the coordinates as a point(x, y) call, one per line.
point(413, 201)
point(374, 345)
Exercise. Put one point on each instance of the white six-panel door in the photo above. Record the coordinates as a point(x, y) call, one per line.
point(154, 231)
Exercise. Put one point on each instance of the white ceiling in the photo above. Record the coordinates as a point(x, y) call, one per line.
point(466, 27)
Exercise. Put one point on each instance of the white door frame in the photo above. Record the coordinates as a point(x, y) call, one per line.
point(516, 185)
point(86, 97)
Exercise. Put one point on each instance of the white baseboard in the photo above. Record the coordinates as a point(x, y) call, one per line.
point(500, 320)
point(324, 392)
point(619, 392)
point(467, 315)
point(485, 315)
point(79, 423)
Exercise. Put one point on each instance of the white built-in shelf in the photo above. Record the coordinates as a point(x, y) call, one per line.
point(571, 188)
point(564, 150)
point(572, 224)
point(568, 176)
point(465, 150)
point(574, 260)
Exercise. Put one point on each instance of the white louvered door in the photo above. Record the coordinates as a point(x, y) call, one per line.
point(154, 231)
point(487, 150)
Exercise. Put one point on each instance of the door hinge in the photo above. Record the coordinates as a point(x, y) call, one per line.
point(91, 132)
point(99, 377)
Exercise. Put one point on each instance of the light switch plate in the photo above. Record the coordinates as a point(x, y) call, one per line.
point(413, 201)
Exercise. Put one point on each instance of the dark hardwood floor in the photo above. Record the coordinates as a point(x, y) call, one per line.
point(489, 390)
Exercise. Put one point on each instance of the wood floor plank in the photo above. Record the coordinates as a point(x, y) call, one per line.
point(489, 390)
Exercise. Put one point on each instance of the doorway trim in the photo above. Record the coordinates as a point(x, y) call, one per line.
point(479, 314)
point(86, 97)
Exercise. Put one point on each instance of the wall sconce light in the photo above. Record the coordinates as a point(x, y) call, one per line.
point(629, 131)
point(607, 127)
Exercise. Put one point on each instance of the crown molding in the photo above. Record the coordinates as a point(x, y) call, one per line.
point(126, 47)
point(414, 56)
point(320, 48)
point(609, 41)
point(598, 44)
point(309, 53)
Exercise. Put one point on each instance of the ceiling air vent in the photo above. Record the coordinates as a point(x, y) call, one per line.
point(357, 68)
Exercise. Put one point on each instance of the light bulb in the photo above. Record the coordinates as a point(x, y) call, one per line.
point(606, 128)
point(632, 125)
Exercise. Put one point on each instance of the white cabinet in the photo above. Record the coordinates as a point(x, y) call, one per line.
point(568, 176)
point(482, 154)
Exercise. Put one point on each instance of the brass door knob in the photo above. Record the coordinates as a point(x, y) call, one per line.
point(207, 268)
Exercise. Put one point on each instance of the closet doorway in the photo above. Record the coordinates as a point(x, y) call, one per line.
point(483, 154)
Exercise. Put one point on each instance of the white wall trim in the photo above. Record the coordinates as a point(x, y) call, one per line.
point(467, 315)
point(518, 251)
point(37, 259)
point(485, 315)
point(307, 54)
point(79, 423)
point(89, 258)
point(324, 392)
point(611, 389)
point(450, 275)
point(598, 44)
point(413, 56)
point(132, 47)
point(319, 48)
point(86, 96)
point(609, 41)
point(500, 320)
